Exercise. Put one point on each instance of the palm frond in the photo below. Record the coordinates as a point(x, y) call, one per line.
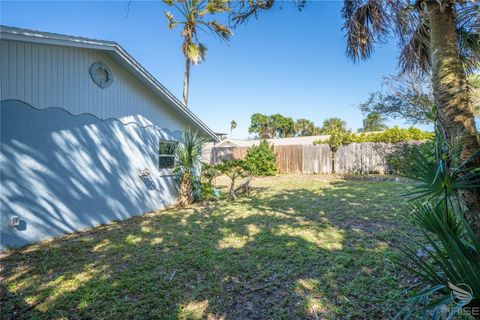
point(171, 20)
point(221, 30)
point(448, 175)
point(366, 24)
point(196, 52)
point(451, 259)
point(188, 154)
point(415, 54)
point(428, 214)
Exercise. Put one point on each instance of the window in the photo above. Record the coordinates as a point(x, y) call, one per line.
point(166, 154)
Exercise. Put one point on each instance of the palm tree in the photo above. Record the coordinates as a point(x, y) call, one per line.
point(194, 14)
point(373, 122)
point(437, 36)
point(188, 160)
point(440, 37)
point(304, 127)
point(333, 125)
point(233, 125)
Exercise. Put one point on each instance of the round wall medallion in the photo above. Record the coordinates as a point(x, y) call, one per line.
point(101, 74)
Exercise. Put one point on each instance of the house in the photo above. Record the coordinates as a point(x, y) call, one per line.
point(87, 136)
point(291, 141)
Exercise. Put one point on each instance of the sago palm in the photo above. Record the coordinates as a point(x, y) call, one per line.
point(194, 17)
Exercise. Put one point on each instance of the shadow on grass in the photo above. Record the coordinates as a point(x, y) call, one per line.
point(316, 251)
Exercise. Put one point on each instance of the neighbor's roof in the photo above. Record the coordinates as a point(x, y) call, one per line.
point(117, 53)
point(276, 142)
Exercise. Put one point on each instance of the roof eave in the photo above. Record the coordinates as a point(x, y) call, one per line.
point(24, 35)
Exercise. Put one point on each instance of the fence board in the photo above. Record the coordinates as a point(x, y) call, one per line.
point(289, 158)
point(362, 158)
point(316, 159)
point(355, 158)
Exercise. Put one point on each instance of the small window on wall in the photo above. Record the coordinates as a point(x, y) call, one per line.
point(166, 154)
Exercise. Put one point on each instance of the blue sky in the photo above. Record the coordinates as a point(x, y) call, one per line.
point(286, 62)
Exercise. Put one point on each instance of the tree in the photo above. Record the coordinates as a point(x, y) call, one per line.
point(373, 122)
point(188, 157)
point(283, 126)
point(272, 126)
point(234, 169)
point(407, 96)
point(438, 37)
point(304, 127)
point(194, 15)
point(260, 124)
point(233, 125)
point(332, 125)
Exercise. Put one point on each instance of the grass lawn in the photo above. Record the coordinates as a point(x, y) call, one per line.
point(300, 247)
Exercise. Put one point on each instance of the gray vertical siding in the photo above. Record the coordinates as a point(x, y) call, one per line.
point(53, 76)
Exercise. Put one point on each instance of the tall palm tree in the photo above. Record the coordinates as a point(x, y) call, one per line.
point(233, 125)
point(441, 37)
point(437, 37)
point(194, 15)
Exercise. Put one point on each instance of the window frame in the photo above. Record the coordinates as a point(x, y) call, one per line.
point(166, 170)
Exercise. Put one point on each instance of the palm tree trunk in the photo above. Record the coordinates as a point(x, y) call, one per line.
point(186, 81)
point(185, 196)
point(450, 87)
point(450, 90)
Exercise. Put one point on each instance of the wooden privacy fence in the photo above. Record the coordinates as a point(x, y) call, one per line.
point(355, 158)
point(362, 158)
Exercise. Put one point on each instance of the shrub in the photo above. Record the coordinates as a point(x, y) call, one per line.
point(394, 135)
point(403, 157)
point(203, 187)
point(390, 135)
point(234, 169)
point(261, 160)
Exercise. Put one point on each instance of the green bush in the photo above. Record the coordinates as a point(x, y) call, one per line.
point(261, 160)
point(394, 135)
point(203, 187)
point(402, 159)
point(390, 135)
